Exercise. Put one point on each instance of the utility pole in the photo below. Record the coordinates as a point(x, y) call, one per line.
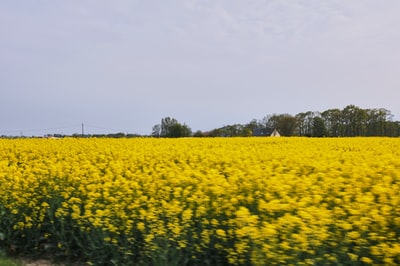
point(83, 130)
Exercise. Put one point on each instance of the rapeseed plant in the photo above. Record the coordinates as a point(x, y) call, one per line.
point(238, 201)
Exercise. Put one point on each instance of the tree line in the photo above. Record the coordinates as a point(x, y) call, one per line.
point(350, 121)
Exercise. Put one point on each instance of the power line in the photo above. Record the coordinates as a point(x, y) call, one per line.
point(86, 126)
point(83, 127)
point(38, 129)
point(105, 128)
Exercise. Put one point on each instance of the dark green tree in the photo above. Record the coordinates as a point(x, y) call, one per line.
point(301, 125)
point(354, 121)
point(171, 128)
point(333, 122)
point(250, 127)
point(285, 124)
point(304, 122)
point(198, 134)
point(156, 130)
point(318, 127)
point(376, 121)
point(167, 126)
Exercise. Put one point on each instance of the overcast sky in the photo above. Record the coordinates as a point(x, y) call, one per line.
point(123, 65)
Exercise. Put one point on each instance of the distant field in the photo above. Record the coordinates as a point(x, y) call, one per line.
point(202, 201)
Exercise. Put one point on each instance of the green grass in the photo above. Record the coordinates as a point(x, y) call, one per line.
point(4, 261)
point(8, 262)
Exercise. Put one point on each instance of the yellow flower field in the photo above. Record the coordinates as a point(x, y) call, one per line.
point(203, 201)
